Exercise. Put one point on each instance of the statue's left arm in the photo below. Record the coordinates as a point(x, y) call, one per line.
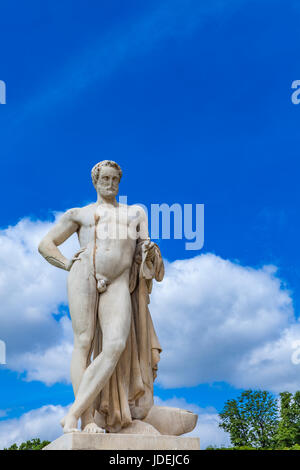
point(152, 266)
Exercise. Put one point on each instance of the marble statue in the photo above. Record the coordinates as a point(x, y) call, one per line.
point(116, 349)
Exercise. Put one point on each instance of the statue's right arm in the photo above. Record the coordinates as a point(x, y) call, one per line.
point(55, 237)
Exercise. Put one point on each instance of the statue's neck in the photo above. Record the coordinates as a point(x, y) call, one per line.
point(107, 201)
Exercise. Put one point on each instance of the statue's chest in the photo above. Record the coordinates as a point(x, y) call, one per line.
point(112, 223)
point(114, 216)
point(116, 222)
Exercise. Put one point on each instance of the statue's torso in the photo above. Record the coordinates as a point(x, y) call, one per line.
point(109, 235)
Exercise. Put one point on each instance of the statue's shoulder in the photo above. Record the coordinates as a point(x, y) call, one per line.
point(71, 214)
point(134, 210)
point(89, 208)
point(77, 213)
point(139, 210)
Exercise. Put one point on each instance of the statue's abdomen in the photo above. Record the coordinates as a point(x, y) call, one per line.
point(113, 257)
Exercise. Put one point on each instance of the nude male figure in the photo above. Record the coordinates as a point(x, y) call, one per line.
point(107, 233)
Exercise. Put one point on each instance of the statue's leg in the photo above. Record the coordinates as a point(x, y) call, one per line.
point(83, 299)
point(114, 317)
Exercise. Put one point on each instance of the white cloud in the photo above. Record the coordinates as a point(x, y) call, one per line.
point(31, 292)
point(216, 320)
point(220, 321)
point(207, 428)
point(42, 423)
point(52, 364)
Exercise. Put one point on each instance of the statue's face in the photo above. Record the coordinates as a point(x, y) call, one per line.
point(108, 182)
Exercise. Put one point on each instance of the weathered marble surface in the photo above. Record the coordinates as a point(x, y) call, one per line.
point(174, 421)
point(116, 349)
point(113, 441)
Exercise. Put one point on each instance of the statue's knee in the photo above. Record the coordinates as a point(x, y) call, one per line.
point(83, 343)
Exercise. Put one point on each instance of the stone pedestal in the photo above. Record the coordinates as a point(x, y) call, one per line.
point(110, 441)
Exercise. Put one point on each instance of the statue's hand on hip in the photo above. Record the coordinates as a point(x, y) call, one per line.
point(76, 257)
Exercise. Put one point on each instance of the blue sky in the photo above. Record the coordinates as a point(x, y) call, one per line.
point(192, 99)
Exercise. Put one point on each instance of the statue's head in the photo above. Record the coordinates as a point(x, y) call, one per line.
point(106, 176)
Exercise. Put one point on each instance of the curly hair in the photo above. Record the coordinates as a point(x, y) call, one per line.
point(96, 170)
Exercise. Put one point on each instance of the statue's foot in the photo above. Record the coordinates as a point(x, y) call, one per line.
point(69, 424)
point(92, 428)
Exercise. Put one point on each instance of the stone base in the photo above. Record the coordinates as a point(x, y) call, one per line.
point(110, 441)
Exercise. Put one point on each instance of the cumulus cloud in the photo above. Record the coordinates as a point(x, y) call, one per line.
point(51, 364)
point(42, 423)
point(207, 428)
point(216, 320)
point(32, 295)
point(220, 321)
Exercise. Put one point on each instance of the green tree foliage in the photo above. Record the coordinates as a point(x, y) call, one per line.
point(251, 419)
point(33, 444)
point(288, 432)
point(256, 420)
